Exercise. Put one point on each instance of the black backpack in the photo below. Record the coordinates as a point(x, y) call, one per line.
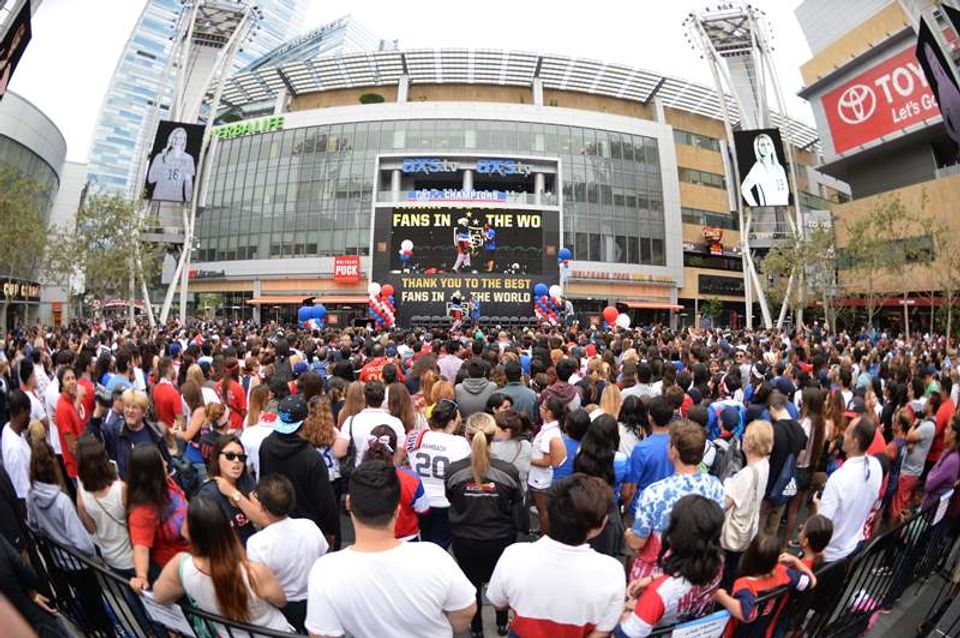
point(781, 491)
point(728, 460)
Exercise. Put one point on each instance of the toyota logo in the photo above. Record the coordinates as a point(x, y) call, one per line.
point(857, 104)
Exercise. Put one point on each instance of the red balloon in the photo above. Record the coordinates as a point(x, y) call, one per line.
point(610, 314)
point(386, 290)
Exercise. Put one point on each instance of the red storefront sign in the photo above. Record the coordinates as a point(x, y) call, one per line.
point(346, 269)
point(886, 98)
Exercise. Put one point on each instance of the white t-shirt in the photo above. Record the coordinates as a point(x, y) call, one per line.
point(541, 477)
point(251, 438)
point(289, 548)
point(50, 398)
point(402, 592)
point(746, 495)
point(431, 458)
point(847, 500)
point(361, 424)
point(16, 460)
point(557, 589)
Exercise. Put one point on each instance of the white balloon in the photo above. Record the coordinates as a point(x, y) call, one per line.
point(373, 289)
point(406, 244)
point(623, 320)
point(555, 291)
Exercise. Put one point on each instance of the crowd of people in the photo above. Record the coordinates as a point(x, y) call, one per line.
point(343, 482)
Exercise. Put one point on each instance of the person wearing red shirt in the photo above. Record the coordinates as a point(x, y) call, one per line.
point(85, 387)
point(942, 420)
point(166, 400)
point(373, 369)
point(69, 423)
point(231, 393)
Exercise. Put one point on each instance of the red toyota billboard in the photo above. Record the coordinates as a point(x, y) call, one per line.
point(888, 97)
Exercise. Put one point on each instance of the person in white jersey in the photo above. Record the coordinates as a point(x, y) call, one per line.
point(433, 451)
point(546, 453)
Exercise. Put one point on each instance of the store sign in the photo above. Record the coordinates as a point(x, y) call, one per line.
point(251, 127)
point(502, 167)
point(456, 195)
point(193, 273)
point(428, 165)
point(620, 276)
point(19, 290)
point(346, 269)
point(886, 98)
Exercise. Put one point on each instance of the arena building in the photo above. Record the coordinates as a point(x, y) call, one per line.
point(628, 167)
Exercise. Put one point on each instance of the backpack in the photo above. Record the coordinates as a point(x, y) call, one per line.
point(785, 487)
point(728, 459)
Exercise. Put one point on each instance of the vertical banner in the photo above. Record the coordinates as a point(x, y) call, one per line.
point(938, 70)
point(13, 46)
point(174, 162)
point(762, 165)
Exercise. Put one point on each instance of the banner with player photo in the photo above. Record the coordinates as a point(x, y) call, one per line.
point(488, 260)
point(173, 162)
point(763, 168)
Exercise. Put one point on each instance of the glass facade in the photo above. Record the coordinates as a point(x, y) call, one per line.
point(135, 86)
point(30, 165)
point(309, 191)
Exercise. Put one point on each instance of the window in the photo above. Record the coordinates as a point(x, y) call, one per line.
point(709, 218)
point(702, 178)
point(697, 140)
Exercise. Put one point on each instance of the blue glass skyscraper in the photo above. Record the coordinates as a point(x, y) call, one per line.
point(119, 138)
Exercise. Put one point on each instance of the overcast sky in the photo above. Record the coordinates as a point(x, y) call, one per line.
point(76, 43)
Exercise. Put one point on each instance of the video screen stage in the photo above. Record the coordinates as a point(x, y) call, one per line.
point(487, 259)
point(475, 241)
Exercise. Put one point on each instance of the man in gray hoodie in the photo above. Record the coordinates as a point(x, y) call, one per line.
point(473, 393)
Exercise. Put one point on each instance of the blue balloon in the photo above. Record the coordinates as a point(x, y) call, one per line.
point(540, 290)
point(304, 313)
point(319, 312)
point(564, 254)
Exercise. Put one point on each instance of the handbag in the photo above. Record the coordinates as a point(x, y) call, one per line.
point(738, 529)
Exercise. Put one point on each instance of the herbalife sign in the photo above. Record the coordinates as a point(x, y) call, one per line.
point(249, 127)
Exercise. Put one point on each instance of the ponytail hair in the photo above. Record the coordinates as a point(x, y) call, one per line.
point(480, 430)
point(381, 445)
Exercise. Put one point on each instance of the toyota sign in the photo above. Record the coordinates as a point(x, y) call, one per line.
point(886, 98)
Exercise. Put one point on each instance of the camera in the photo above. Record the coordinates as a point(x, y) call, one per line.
point(103, 396)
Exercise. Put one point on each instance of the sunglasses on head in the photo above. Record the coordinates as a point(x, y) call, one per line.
point(448, 402)
point(235, 456)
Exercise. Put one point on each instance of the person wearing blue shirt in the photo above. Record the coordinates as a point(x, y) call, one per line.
point(574, 427)
point(650, 461)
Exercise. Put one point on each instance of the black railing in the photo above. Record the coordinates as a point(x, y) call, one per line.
point(849, 596)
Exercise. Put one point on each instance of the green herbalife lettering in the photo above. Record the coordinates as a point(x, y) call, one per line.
point(251, 127)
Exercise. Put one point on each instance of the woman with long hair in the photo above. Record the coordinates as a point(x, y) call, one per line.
point(690, 561)
point(337, 391)
point(353, 404)
point(509, 443)
point(209, 394)
point(231, 392)
point(156, 511)
point(422, 397)
point(217, 577)
point(230, 486)
point(485, 497)
point(442, 390)
point(100, 503)
point(600, 456)
point(547, 452)
point(194, 416)
point(319, 429)
point(632, 423)
point(611, 400)
point(809, 460)
point(400, 405)
point(382, 446)
point(592, 386)
point(216, 423)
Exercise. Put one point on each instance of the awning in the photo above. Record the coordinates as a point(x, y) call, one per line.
point(281, 300)
point(278, 300)
point(652, 305)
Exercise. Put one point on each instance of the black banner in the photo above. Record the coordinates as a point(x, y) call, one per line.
point(487, 261)
point(173, 162)
point(717, 285)
point(13, 45)
point(763, 168)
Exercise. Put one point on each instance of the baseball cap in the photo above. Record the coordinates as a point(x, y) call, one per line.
point(292, 412)
point(174, 348)
point(299, 368)
point(855, 408)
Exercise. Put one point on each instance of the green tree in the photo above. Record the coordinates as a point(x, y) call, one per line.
point(813, 262)
point(946, 273)
point(103, 248)
point(878, 250)
point(712, 308)
point(22, 204)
